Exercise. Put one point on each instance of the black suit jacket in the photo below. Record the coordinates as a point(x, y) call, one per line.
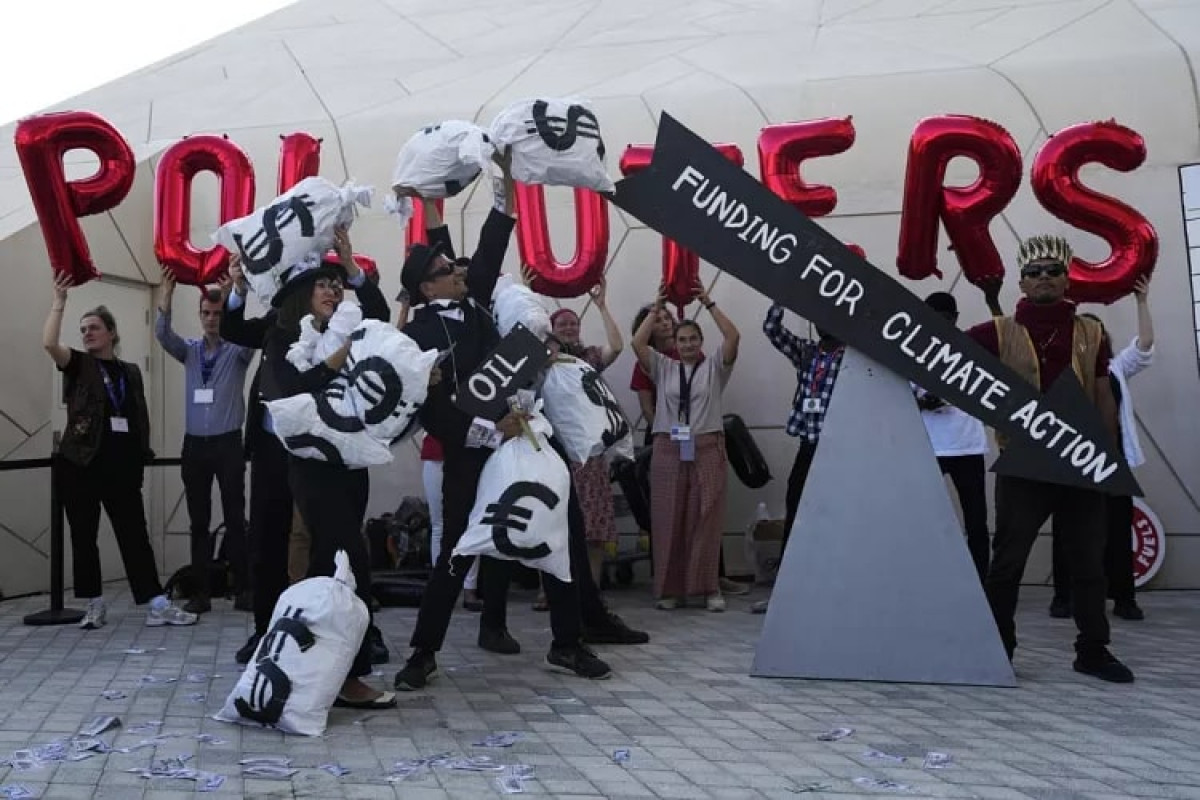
point(473, 338)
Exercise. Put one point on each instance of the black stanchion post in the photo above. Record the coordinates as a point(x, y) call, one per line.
point(56, 614)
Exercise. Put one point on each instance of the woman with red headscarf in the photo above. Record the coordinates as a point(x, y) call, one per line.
point(591, 477)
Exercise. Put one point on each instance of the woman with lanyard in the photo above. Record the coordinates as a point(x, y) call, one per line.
point(687, 479)
point(104, 453)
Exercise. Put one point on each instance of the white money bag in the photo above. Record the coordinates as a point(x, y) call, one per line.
point(587, 418)
point(520, 511)
point(294, 677)
point(555, 141)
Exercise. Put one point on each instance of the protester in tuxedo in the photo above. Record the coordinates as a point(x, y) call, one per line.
point(332, 497)
point(451, 315)
point(214, 412)
point(817, 364)
point(960, 443)
point(103, 457)
point(1118, 555)
point(688, 471)
point(1039, 341)
point(271, 504)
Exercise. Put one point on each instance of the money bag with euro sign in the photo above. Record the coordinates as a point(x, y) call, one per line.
point(520, 511)
point(294, 677)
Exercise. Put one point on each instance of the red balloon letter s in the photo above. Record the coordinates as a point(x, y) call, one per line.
point(1056, 183)
point(41, 142)
point(173, 204)
point(680, 266)
point(966, 211)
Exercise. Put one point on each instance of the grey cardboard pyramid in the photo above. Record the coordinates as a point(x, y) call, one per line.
point(876, 583)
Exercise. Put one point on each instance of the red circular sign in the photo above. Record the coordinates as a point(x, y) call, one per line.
point(1149, 543)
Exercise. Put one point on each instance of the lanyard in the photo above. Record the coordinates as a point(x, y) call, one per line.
point(208, 364)
point(115, 395)
point(821, 363)
point(685, 393)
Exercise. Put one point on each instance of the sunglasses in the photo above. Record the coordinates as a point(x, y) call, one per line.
point(440, 272)
point(1049, 270)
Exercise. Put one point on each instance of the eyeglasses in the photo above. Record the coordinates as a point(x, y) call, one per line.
point(1049, 270)
point(332, 284)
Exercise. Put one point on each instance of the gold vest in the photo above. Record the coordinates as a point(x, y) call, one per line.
point(1017, 352)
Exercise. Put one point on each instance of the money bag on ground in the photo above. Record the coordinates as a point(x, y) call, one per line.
point(520, 511)
point(294, 676)
point(587, 418)
point(294, 225)
point(356, 418)
point(555, 141)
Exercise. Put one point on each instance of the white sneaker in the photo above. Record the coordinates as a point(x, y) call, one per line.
point(95, 615)
point(715, 602)
point(666, 603)
point(170, 614)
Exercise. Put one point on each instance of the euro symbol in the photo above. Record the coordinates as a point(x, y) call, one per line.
point(264, 249)
point(505, 515)
point(271, 687)
point(598, 392)
point(579, 122)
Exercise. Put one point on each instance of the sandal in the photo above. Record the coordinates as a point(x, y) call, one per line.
point(385, 700)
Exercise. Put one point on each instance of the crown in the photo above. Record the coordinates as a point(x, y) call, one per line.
point(1044, 248)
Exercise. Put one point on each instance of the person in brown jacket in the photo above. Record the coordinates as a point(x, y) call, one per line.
point(1043, 338)
point(103, 457)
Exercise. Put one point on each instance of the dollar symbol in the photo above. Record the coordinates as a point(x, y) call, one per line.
point(597, 391)
point(505, 515)
point(578, 122)
point(263, 250)
point(271, 687)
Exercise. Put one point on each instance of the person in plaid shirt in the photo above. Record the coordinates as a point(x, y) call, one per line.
point(817, 364)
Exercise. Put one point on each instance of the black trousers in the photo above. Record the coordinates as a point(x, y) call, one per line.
point(270, 527)
point(333, 503)
point(1022, 507)
point(795, 485)
point(1118, 553)
point(119, 490)
point(967, 473)
point(460, 482)
point(203, 459)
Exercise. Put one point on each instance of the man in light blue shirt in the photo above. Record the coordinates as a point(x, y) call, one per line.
point(215, 374)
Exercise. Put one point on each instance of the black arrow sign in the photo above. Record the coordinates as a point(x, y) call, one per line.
point(694, 195)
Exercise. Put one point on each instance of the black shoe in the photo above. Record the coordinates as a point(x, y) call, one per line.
point(198, 605)
point(613, 630)
point(420, 667)
point(579, 660)
point(1103, 665)
point(498, 641)
point(471, 601)
point(244, 601)
point(379, 650)
point(1060, 608)
point(1130, 610)
point(247, 652)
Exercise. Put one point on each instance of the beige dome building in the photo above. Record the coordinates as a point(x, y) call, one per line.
point(364, 74)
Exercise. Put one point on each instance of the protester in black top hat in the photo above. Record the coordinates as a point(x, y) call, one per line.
point(960, 443)
point(452, 315)
point(332, 497)
point(271, 505)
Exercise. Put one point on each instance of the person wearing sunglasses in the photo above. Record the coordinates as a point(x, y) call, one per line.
point(1042, 338)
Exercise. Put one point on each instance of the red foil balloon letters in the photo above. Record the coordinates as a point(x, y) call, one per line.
point(299, 158)
point(966, 211)
point(1056, 183)
point(680, 266)
point(41, 142)
point(586, 267)
point(173, 204)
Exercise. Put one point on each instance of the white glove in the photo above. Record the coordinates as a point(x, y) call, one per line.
point(343, 322)
point(301, 353)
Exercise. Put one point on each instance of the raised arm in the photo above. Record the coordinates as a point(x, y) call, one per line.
point(235, 327)
point(615, 343)
point(1145, 339)
point(171, 341)
point(641, 338)
point(374, 304)
point(52, 329)
point(731, 338)
point(784, 340)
